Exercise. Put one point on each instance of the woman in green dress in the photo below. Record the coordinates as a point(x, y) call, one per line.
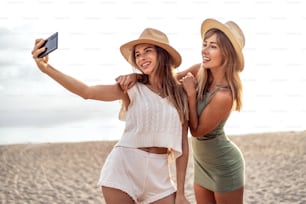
point(214, 90)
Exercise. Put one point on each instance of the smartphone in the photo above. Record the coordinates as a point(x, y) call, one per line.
point(50, 44)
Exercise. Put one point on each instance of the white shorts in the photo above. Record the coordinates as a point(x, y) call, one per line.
point(144, 176)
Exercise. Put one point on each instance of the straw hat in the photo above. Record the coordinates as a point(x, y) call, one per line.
point(154, 37)
point(232, 31)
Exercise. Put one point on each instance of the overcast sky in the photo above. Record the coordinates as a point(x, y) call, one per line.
point(36, 109)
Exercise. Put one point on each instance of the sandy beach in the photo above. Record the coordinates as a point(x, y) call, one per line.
point(68, 172)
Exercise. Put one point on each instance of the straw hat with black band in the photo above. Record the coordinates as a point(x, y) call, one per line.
point(232, 31)
point(154, 37)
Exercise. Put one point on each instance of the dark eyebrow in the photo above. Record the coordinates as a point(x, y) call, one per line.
point(149, 47)
point(210, 44)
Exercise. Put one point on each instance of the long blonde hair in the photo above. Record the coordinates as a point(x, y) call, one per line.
point(170, 85)
point(231, 65)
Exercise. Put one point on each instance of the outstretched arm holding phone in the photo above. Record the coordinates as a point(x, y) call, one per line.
point(99, 92)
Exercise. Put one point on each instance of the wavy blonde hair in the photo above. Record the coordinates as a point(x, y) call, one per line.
point(230, 63)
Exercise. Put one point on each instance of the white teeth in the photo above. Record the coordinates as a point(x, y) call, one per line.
point(145, 64)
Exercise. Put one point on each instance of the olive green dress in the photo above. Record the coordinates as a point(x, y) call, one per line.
point(218, 162)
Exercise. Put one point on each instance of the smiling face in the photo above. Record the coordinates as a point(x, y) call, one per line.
point(145, 58)
point(211, 53)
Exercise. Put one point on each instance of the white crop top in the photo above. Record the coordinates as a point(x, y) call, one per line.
point(151, 121)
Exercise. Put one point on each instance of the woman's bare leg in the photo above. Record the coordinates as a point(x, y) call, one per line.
point(203, 195)
point(166, 200)
point(233, 197)
point(115, 196)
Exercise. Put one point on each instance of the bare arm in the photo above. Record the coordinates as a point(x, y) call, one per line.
point(218, 109)
point(181, 166)
point(193, 70)
point(128, 80)
point(189, 83)
point(100, 92)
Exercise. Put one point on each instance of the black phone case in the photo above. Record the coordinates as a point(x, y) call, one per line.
point(50, 45)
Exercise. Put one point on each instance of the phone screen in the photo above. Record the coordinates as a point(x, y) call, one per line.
point(50, 45)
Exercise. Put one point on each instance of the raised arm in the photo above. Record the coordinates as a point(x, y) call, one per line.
point(189, 83)
point(193, 70)
point(216, 111)
point(100, 92)
point(128, 80)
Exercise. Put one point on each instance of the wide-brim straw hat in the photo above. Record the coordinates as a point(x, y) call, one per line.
point(232, 31)
point(154, 37)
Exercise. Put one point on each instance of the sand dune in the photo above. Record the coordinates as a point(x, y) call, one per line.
point(68, 172)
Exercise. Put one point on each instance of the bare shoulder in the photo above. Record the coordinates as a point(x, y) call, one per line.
point(223, 98)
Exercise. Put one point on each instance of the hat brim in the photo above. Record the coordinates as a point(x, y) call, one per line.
point(214, 24)
point(128, 48)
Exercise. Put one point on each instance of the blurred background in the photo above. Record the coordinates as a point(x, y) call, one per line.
point(33, 108)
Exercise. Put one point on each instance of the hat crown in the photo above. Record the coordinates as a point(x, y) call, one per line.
point(237, 32)
point(153, 34)
point(154, 37)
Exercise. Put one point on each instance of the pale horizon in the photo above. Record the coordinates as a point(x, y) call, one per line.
point(36, 109)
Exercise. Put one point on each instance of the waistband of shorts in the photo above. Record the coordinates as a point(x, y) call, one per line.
point(144, 153)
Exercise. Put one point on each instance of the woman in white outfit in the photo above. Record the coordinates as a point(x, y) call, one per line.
point(155, 111)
